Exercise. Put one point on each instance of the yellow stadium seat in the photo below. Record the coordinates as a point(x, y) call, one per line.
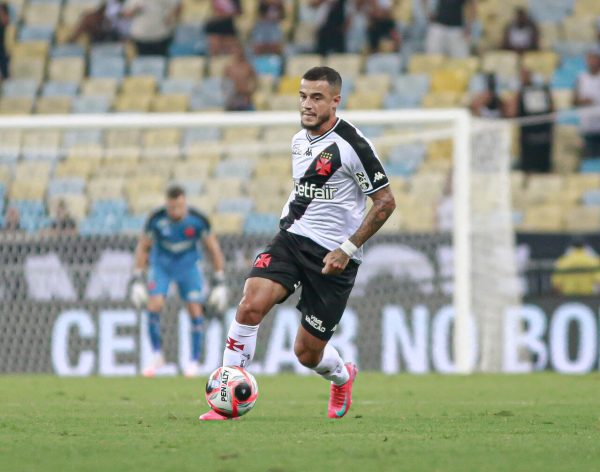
point(200, 169)
point(541, 186)
point(117, 168)
point(550, 33)
point(503, 63)
point(190, 68)
point(424, 63)
point(581, 29)
point(10, 139)
point(138, 85)
point(102, 188)
point(133, 103)
point(162, 168)
point(348, 65)
point(280, 133)
point(289, 85)
point(372, 83)
point(28, 189)
point(194, 11)
point(543, 218)
point(53, 105)
point(449, 80)
point(284, 102)
point(469, 65)
point(30, 49)
point(541, 62)
point(217, 65)
point(91, 152)
point(41, 140)
point(123, 138)
point(420, 218)
point(35, 170)
point(273, 167)
point(245, 133)
point(428, 187)
point(124, 154)
point(227, 223)
point(5, 174)
point(73, 11)
point(562, 99)
point(145, 203)
point(76, 168)
point(297, 65)
point(365, 101)
point(67, 69)
point(170, 103)
point(100, 86)
point(27, 68)
point(42, 14)
point(162, 143)
point(443, 100)
point(76, 204)
point(204, 203)
point(146, 184)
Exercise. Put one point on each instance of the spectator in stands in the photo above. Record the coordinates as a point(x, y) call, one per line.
point(534, 99)
point(489, 104)
point(103, 23)
point(63, 224)
point(587, 94)
point(12, 221)
point(267, 36)
point(450, 28)
point(153, 24)
point(220, 28)
point(241, 76)
point(4, 22)
point(577, 271)
point(521, 34)
point(382, 26)
point(331, 26)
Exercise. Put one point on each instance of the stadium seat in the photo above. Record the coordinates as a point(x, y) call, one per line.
point(227, 223)
point(36, 33)
point(91, 104)
point(177, 86)
point(217, 65)
point(348, 65)
point(67, 69)
point(241, 168)
point(15, 106)
point(502, 63)
point(67, 50)
point(235, 205)
point(268, 65)
point(152, 66)
point(583, 219)
point(543, 218)
point(261, 224)
point(298, 64)
point(383, 63)
point(104, 50)
point(107, 67)
point(82, 168)
point(365, 101)
point(59, 89)
point(19, 88)
point(100, 87)
point(372, 83)
point(171, 103)
point(424, 63)
point(72, 138)
point(127, 103)
point(449, 80)
point(30, 68)
point(53, 105)
point(66, 186)
point(132, 224)
point(41, 145)
point(541, 62)
point(187, 68)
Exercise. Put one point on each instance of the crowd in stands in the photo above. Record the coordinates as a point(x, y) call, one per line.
point(522, 59)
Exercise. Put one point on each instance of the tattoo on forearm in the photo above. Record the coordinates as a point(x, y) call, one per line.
point(375, 218)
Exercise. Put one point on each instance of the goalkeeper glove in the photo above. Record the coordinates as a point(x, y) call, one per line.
point(219, 294)
point(137, 290)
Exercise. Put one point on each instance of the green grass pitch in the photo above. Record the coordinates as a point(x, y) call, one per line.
point(542, 422)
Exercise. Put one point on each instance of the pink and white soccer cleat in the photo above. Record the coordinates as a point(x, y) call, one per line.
point(340, 397)
point(212, 415)
point(155, 364)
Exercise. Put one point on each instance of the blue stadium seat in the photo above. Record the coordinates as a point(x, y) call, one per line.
point(105, 208)
point(154, 66)
point(177, 86)
point(570, 48)
point(591, 165)
point(591, 198)
point(82, 137)
point(66, 186)
point(107, 50)
point(91, 105)
point(108, 67)
point(550, 11)
point(195, 135)
point(189, 40)
point(91, 226)
point(132, 224)
point(192, 187)
point(59, 89)
point(384, 63)
point(36, 33)
point(268, 65)
point(261, 223)
point(407, 84)
point(67, 50)
point(235, 205)
point(29, 208)
point(234, 168)
point(23, 88)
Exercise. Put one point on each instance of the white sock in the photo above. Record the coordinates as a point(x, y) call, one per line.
point(240, 344)
point(332, 366)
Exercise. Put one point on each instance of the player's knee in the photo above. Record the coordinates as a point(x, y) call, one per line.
point(155, 304)
point(249, 312)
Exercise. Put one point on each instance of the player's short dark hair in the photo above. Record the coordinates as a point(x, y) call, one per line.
point(332, 76)
point(175, 191)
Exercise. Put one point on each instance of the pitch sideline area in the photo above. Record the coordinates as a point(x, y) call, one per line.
point(540, 422)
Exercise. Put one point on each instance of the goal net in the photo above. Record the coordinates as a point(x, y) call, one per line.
point(430, 296)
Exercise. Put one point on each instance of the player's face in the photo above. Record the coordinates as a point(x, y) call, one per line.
point(318, 103)
point(176, 207)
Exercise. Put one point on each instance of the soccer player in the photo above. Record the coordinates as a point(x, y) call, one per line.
point(169, 247)
point(322, 229)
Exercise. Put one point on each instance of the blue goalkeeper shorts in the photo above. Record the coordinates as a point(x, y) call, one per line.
point(189, 282)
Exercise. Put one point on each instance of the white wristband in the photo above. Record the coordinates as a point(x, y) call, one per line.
point(348, 247)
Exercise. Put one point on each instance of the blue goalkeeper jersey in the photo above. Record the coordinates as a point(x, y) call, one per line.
point(175, 243)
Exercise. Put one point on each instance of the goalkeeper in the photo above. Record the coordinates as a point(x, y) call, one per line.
point(169, 249)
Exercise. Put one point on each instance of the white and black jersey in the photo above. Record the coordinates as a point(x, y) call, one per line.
point(332, 175)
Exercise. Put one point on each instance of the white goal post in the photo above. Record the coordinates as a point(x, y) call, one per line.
point(422, 124)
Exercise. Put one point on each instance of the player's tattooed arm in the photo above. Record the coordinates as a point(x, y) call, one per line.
point(383, 206)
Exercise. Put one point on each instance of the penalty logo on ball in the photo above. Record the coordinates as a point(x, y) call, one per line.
point(231, 391)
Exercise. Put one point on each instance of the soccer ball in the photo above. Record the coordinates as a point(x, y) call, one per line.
point(231, 391)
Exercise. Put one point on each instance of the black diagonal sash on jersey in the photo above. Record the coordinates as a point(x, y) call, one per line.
point(297, 207)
